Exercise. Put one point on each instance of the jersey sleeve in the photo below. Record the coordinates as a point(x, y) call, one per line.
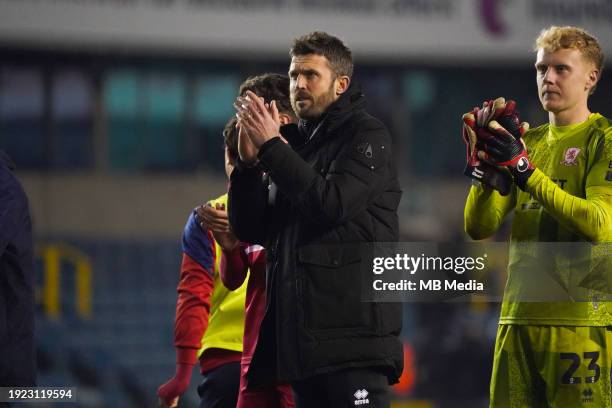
point(485, 211)
point(195, 290)
point(199, 244)
point(590, 217)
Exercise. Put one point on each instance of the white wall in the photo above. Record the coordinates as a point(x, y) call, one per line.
point(116, 207)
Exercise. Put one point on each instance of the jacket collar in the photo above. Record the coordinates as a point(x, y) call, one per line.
point(338, 112)
point(349, 102)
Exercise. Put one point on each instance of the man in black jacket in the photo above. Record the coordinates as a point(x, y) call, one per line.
point(17, 348)
point(331, 190)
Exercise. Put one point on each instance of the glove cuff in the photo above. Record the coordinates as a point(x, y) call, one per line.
point(521, 177)
point(490, 176)
point(521, 169)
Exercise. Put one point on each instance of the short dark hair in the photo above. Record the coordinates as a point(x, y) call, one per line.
point(230, 137)
point(320, 43)
point(270, 87)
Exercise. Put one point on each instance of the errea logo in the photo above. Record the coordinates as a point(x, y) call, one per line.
point(587, 395)
point(361, 397)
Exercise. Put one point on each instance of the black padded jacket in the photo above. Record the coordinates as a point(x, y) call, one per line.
point(312, 204)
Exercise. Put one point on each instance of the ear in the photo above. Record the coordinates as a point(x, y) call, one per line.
point(592, 78)
point(285, 119)
point(342, 83)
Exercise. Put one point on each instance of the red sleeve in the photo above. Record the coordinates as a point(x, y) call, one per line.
point(234, 267)
point(195, 290)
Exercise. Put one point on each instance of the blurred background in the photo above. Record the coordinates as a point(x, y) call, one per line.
point(113, 111)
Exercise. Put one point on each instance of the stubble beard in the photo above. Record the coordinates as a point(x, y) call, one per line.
point(317, 107)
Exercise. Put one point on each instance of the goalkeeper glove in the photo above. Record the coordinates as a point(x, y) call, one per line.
point(493, 109)
point(479, 170)
point(502, 146)
point(492, 176)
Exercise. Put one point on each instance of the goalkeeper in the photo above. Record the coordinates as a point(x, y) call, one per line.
point(547, 354)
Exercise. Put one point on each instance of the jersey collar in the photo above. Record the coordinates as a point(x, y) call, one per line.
point(556, 133)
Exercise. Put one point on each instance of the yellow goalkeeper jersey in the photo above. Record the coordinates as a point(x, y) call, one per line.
point(568, 199)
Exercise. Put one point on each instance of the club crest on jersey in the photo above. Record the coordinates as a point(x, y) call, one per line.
point(571, 156)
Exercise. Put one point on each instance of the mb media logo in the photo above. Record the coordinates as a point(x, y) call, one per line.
point(587, 395)
point(361, 396)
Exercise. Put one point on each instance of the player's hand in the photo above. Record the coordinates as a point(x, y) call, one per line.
point(214, 219)
point(246, 149)
point(499, 134)
point(495, 124)
point(502, 148)
point(261, 121)
point(493, 109)
point(488, 175)
point(170, 392)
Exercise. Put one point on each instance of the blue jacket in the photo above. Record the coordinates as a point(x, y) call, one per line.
point(17, 345)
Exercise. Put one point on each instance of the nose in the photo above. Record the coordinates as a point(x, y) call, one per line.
point(300, 82)
point(549, 76)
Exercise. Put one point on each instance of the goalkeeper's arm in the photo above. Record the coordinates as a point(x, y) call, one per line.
point(485, 211)
point(591, 218)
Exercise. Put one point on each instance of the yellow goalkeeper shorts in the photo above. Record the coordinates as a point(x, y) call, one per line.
point(551, 367)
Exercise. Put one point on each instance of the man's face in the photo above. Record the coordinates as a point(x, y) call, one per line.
point(312, 85)
point(564, 78)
